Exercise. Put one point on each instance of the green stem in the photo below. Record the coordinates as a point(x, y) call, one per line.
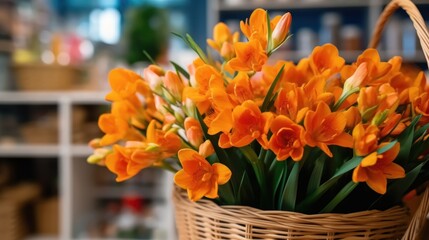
point(259, 169)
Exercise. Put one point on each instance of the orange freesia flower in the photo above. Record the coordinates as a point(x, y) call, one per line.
point(421, 106)
point(198, 177)
point(221, 35)
point(115, 129)
point(292, 102)
point(125, 84)
point(324, 128)
point(377, 70)
point(365, 139)
point(240, 88)
point(375, 100)
point(174, 85)
point(168, 142)
point(256, 24)
point(193, 131)
point(120, 163)
point(326, 59)
point(248, 124)
point(250, 56)
point(376, 168)
point(315, 91)
point(287, 139)
point(207, 79)
point(392, 125)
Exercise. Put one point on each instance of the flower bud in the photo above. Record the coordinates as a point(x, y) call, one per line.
point(281, 30)
point(193, 131)
point(227, 51)
point(154, 80)
point(98, 156)
point(152, 147)
point(356, 79)
point(95, 143)
point(206, 149)
point(174, 85)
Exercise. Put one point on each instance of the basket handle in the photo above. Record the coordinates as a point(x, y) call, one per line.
point(415, 16)
point(419, 218)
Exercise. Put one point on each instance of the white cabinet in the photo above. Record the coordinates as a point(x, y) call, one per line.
point(80, 195)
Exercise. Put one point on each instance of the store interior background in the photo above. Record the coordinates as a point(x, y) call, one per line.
point(55, 56)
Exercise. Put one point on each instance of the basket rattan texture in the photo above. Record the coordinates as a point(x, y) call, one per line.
point(206, 220)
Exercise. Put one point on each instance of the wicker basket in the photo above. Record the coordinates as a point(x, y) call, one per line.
point(44, 77)
point(206, 220)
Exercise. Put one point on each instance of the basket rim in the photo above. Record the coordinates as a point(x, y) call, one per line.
point(181, 193)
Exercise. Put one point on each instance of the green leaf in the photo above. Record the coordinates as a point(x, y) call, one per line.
point(314, 196)
point(268, 97)
point(291, 189)
point(193, 45)
point(226, 194)
point(196, 48)
point(344, 97)
point(269, 34)
point(343, 193)
point(406, 141)
point(276, 171)
point(420, 132)
point(280, 44)
point(256, 163)
point(149, 57)
point(387, 147)
point(316, 175)
point(223, 158)
point(180, 70)
point(348, 165)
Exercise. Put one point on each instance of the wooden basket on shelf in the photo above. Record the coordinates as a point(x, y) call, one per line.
point(206, 220)
point(46, 77)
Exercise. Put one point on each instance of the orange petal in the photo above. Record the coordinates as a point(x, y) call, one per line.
point(222, 123)
point(223, 173)
point(390, 154)
point(393, 171)
point(183, 179)
point(359, 174)
point(324, 148)
point(343, 140)
point(377, 181)
point(197, 193)
point(213, 192)
point(369, 160)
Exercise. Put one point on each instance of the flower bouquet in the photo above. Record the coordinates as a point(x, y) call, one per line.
point(314, 138)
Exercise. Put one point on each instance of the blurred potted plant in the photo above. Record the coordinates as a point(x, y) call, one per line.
point(147, 30)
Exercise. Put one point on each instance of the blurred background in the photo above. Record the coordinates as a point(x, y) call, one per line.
point(54, 59)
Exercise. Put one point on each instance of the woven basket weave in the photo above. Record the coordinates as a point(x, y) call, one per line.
point(206, 220)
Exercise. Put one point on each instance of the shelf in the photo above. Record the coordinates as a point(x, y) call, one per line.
point(81, 150)
point(41, 150)
point(291, 4)
point(29, 150)
point(33, 97)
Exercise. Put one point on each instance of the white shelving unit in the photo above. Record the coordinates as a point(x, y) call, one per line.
point(374, 7)
point(77, 191)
